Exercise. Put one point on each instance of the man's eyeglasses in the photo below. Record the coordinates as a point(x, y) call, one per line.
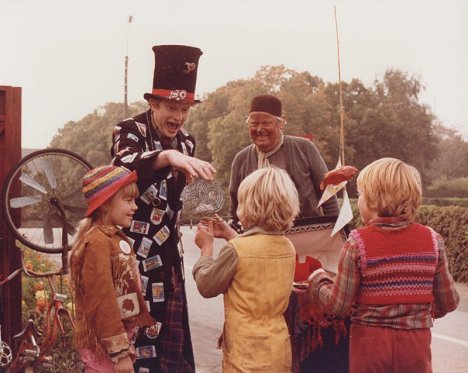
point(254, 124)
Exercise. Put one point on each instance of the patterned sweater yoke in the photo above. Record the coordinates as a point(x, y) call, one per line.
point(396, 266)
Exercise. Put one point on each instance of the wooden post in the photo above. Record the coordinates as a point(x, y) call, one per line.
point(10, 259)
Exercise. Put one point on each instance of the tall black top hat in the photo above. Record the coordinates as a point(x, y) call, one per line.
point(175, 73)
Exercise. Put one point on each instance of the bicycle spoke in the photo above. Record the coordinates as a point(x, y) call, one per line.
point(74, 194)
point(28, 180)
point(20, 202)
point(70, 229)
point(80, 211)
point(50, 173)
point(43, 186)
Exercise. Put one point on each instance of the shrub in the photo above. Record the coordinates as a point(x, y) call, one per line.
point(452, 223)
point(449, 188)
point(443, 201)
point(36, 295)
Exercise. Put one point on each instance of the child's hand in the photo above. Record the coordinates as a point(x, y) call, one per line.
point(221, 229)
point(124, 365)
point(204, 238)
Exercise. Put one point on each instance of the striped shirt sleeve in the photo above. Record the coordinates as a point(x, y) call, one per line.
point(445, 294)
point(337, 295)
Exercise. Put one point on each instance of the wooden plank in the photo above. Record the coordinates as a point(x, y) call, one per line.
point(10, 154)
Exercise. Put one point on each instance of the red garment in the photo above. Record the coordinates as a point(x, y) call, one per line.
point(337, 295)
point(387, 350)
point(396, 266)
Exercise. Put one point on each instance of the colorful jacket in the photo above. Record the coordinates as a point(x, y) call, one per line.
point(155, 234)
point(107, 292)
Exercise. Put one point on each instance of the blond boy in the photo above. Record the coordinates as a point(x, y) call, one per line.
point(254, 271)
point(392, 277)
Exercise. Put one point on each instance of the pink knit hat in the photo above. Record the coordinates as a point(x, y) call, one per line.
point(102, 183)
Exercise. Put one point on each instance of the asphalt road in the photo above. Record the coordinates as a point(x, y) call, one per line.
point(449, 334)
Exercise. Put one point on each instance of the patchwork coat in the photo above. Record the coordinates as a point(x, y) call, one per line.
point(155, 235)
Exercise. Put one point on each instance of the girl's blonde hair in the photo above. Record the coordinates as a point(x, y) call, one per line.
point(268, 199)
point(391, 187)
point(102, 212)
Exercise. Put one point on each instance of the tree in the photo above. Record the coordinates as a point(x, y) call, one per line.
point(91, 137)
point(384, 120)
point(452, 149)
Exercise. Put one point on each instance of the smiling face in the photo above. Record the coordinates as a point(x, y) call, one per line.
point(121, 207)
point(169, 116)
point(264, 130)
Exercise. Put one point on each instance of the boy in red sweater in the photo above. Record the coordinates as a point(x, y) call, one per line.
point(393, 275)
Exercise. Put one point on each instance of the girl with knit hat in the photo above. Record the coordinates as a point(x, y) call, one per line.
point(392, 277)
point(105, 278)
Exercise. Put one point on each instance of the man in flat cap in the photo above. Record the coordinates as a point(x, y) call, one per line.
point(297, 155)
point(157, 146)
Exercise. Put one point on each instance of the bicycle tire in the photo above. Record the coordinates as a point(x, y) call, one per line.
point(44, 178)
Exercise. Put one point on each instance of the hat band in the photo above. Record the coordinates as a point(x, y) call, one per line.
point(174, 94)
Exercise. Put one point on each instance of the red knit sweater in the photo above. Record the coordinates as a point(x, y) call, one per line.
point(396, 266)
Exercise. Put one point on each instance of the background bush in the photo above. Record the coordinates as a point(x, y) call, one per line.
point(452, 223)
point(457, 187)
point(35, 299)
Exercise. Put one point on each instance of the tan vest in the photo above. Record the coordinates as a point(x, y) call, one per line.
point(256, 336)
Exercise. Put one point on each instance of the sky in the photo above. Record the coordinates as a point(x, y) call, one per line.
point(68, 56)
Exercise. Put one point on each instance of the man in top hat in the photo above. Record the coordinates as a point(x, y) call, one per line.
point(297, 155)
point(157, 146)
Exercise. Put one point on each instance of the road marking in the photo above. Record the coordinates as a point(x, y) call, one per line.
point(451, 339)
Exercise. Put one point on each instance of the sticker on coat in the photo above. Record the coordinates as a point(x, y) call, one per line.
point(146, 352)
point(157, 145)
point(157, 216)
point(157, 290)
point(141, 127)
point(149, 195)
point(133, 137)
point(162, 235)
point(148, 154)
point(140, 227)
point(163, 190)
point(129, 158)
point(152, 263)
point(144, 284)
point(152, 331)
point(145, 247)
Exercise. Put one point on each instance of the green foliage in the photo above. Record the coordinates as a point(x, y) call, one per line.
point(91, 137)
point(36, 296)
point(449, 188)
point(453, 154)
point(436, 201)
point(452, 223)
point(382, 120)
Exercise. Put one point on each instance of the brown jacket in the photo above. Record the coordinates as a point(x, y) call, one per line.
point(107, 292)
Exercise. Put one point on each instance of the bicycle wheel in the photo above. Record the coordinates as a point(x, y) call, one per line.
point(41, 194)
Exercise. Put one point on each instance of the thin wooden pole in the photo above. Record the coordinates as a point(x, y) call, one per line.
point(342, 137)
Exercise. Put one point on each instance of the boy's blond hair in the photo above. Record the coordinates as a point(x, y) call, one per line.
point(268, 199)
point(391, 188)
